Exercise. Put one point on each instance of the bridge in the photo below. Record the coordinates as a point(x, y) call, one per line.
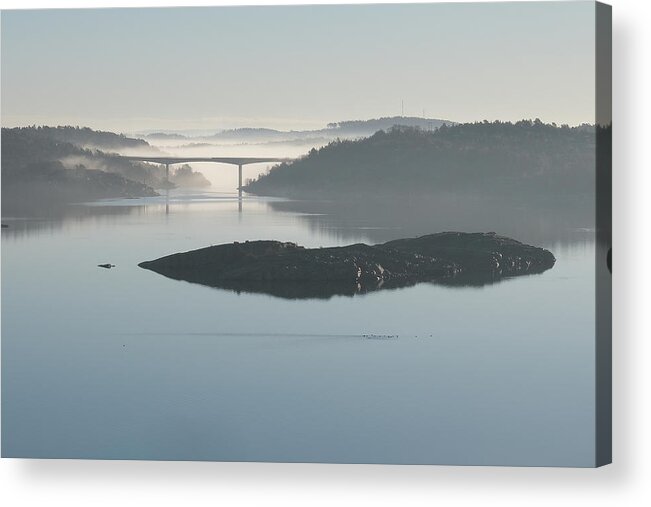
point(238, 161)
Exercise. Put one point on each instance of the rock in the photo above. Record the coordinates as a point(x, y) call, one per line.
point(291, 271)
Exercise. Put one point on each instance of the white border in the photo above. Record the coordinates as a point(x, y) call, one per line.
point(626, 482)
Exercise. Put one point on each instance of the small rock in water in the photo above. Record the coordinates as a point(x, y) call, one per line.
point(106, 266)
point(380, 336)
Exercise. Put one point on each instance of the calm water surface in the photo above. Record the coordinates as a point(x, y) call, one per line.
point(125, 363)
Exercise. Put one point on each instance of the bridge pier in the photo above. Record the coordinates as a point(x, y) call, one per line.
point(167, 188)
point(239, 180)
point(239, 187)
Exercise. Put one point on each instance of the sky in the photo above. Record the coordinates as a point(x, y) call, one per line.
point(296, 67)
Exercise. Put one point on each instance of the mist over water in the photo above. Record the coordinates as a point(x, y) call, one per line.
point(224, 176)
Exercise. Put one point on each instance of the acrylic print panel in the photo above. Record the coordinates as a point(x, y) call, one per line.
point(342, 234)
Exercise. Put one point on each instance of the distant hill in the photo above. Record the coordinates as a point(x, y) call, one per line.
point(343, 130)
point(164, 136)
point(263, 135)
point(248, 133)
point(369, 127)
point(184, 176)
point(527, 158)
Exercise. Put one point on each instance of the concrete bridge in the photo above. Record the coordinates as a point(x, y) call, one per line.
point(238, 161)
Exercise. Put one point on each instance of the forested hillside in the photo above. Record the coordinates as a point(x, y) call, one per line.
point(503, 159)
point(51, 166)
point(85, 137)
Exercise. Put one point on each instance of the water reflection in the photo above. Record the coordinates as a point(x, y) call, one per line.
point(537, 222)
point(541, 223)
point(64, 217)
point(124, 363)
point(20, 222)
point(329, 289)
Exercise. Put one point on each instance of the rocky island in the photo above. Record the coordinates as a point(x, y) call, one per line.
point(290, 271)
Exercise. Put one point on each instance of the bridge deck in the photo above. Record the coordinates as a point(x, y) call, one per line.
point(220, 160)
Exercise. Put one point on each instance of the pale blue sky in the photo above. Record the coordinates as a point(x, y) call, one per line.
point(296, 67)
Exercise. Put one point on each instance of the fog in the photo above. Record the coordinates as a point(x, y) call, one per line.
point(224, 176)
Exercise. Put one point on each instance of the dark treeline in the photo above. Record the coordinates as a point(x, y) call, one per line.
point(526, 158)
point(372, 126)
point(88, 138)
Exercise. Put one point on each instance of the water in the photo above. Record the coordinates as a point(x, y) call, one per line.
point(125, 363)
